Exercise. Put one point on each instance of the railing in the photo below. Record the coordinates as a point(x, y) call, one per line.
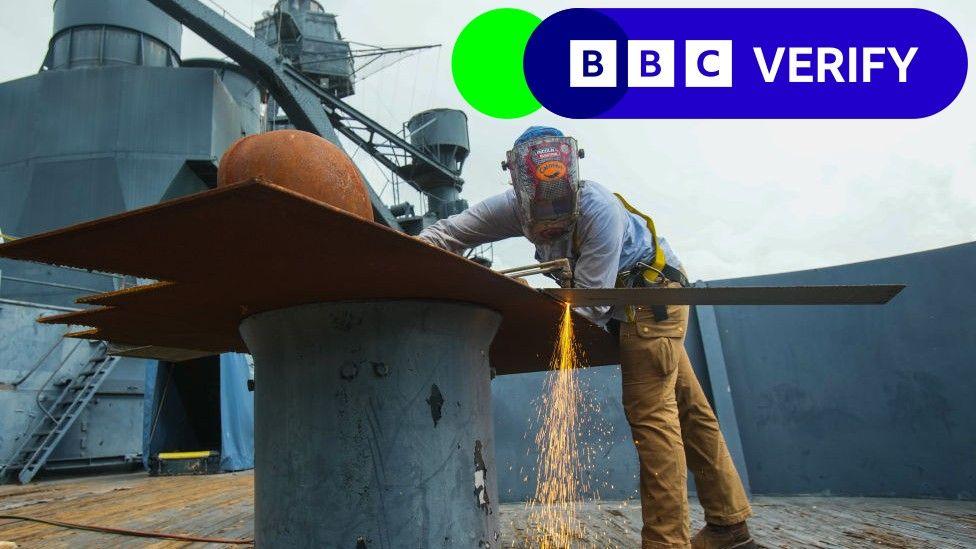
point(228, 15)
point(119, 282)
point(49, 284)
point(37, 395)
point(39, 362)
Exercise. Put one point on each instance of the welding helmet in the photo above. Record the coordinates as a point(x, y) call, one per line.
point(544, 165)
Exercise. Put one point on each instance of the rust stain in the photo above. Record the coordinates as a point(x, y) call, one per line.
point(91, 333)
point(95, 298)
point(303, 162)
point(436, 403)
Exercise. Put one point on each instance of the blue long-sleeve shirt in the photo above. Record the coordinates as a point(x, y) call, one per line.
point(610, 239)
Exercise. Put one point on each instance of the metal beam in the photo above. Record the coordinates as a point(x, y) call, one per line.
point(721, 390)
point(747, 295)
point(309, 106)
point(339, 111)
point(304, 109)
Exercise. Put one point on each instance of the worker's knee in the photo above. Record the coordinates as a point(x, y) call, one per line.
point(650, 411)
point(696, 411)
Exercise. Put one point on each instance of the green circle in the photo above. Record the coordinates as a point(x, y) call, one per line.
point(487, 63)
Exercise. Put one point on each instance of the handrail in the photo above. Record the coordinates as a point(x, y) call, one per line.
point(40, 361)
point(52, 284)
point(230, 16)
point(37, 395)
point(46, 306)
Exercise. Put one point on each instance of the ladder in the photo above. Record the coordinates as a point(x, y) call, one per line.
point(43, 438)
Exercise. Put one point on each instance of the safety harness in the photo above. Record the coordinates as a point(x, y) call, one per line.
point(641, 274)
point(658, 272)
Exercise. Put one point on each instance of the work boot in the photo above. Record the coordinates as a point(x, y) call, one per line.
point(733, 536)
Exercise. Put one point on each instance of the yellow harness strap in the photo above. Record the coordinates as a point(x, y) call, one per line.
point(659, 261)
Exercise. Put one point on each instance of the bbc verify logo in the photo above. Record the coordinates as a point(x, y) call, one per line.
point(714, 63)
point(708, 63)
point(650, 63)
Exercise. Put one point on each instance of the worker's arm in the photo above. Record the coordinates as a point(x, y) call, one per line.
point(601, 235)
point(490, 220)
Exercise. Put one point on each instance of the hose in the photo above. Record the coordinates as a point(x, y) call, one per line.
point(125, 532)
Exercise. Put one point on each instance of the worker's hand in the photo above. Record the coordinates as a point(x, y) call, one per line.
point(523, 281)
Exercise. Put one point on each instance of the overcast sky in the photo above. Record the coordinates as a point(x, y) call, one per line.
point(734, 198)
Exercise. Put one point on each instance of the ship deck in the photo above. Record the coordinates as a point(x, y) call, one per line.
point(221, 506)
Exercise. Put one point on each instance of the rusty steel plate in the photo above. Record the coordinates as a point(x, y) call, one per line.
point(235, 251)
point(135, 328)
point(876, 294)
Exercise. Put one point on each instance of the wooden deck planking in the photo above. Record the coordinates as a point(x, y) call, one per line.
point(212, 506)
point(221, 506)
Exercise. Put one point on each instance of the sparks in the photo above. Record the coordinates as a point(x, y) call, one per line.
point(560, 484)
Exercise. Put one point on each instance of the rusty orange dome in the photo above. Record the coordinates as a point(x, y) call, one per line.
point(302, 162)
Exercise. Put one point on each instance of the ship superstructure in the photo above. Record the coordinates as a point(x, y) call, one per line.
point(116, 120)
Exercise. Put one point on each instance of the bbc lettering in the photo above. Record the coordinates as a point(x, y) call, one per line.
point(708, 63)
point(650, 63)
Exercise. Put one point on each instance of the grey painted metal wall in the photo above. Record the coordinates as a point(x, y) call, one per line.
point(242, 87)
point(109, 429)
point(114, 125)
point(139, 16)
point(845, 400)
point(109, 140)
point(861, 400)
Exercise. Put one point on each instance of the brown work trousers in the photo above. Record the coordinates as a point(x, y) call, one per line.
point(674, 429)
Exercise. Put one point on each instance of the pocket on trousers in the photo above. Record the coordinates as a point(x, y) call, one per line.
point(647, 326)
point(647, 359)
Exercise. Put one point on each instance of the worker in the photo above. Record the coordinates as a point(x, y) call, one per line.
point(611, 244)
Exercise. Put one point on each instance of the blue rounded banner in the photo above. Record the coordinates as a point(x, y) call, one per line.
point(745, 63)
